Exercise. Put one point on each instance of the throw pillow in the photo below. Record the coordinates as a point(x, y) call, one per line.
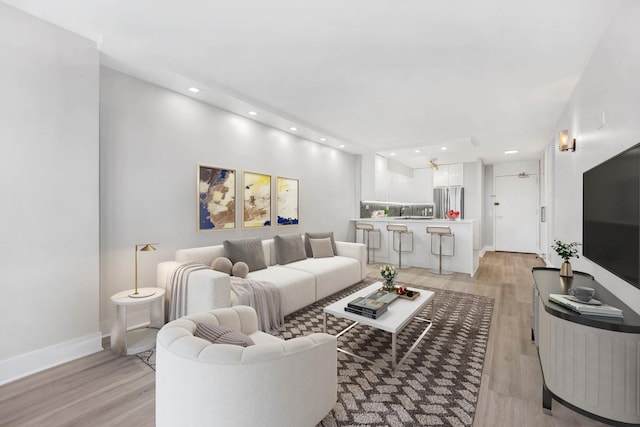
point(217, 334)
point(248, 251)
point(222, 264)
point(240, 269)
point(289, 248)
point(307, 244)
point(321, 248)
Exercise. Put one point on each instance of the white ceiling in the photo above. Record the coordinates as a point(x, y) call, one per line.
point(386, 76)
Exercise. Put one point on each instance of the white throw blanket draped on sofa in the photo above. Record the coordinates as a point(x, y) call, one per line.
point(178, 282)
point(264, 297)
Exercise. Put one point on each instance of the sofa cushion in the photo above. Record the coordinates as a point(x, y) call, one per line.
point(246, 250)
point(331, 274)
point(217, 334)
point(307, 243)
point(222, 264)
point(297, 288)
point(289, 248)
point(321, 248)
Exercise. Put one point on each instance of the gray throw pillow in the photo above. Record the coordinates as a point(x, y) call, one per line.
point(321, 248)
point(289, 248)
point(217, 334)
point(307, 244)
point(246, 250)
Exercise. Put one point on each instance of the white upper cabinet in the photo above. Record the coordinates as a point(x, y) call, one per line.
point(441, 176)
point(456, 174)
point(448, 175)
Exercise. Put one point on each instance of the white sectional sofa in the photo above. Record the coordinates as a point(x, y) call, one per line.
point(300, 283)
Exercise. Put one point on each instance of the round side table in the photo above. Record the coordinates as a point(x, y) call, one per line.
point(137, 340)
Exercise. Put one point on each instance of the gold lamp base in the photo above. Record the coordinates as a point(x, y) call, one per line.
point(142, 293)
point(146, 247)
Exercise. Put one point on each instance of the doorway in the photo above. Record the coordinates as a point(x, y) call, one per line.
point(516, 213)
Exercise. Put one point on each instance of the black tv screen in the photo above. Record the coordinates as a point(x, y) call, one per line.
point(611, 215)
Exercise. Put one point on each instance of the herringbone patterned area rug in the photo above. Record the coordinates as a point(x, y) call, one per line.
point(437, 385)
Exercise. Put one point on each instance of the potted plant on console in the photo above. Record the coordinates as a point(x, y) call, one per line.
point(566, 251)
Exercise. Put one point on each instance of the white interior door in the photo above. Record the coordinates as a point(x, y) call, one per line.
point(516, 214)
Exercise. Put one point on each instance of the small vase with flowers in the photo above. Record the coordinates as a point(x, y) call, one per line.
point(388, 273)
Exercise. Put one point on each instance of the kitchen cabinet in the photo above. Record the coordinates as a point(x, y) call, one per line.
point(448, 175)
point(465, 260)
point(456, 175)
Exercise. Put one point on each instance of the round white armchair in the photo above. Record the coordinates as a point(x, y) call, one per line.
point(272, 383)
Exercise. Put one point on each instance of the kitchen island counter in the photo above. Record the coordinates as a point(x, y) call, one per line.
point(416, 251)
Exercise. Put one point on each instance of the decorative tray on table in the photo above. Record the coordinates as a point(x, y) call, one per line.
point(415, 295)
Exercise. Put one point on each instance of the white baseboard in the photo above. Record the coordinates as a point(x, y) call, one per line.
point(48, 357)
point(486, 249)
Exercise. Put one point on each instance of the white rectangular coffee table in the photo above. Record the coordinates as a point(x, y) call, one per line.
point(398, 315)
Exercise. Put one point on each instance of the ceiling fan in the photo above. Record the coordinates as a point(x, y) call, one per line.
point(432, 164)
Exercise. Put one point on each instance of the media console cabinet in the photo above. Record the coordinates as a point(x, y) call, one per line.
point(590, 364)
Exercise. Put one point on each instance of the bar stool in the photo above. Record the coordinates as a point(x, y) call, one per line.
point(367, 228)
point(441, 231)
point(400, 229)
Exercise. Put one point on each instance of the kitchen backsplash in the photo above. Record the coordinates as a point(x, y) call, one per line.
point(395, 209)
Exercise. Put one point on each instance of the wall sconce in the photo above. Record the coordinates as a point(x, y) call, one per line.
point(563, 141)
point(145, 247)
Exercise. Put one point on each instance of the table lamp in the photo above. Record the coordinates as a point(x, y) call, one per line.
point(145, 247)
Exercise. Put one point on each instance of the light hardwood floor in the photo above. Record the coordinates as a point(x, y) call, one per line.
point(107, 390)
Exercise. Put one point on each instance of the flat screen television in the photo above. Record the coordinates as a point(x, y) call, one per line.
point(611, 215)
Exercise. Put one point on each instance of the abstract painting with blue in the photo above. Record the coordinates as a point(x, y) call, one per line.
point(256, 207)
point(216, 198)
point(288, 201)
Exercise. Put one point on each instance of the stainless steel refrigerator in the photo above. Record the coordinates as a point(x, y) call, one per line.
point(447, 198)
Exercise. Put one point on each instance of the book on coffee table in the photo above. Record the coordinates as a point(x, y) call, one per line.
point(375, 303)
point(369, 314)
point(586, 309)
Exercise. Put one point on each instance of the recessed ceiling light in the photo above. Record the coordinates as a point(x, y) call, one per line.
point(293, 128)
point(252, 113)
point(511, 152)
point(194, 89)
point(323, 139)
point(392, 154)
point(341, 145)
point(416, 151)
point(443, 148)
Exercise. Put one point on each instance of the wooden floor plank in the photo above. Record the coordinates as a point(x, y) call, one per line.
point(108, 390)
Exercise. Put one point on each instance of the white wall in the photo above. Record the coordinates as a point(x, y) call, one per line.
point(487, 208)
point(151, 140)
point(409, 185)
point(609, 84)
point(422, 185)
point(49, 186)
point(473, 190)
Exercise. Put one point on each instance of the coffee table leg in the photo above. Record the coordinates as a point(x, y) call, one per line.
point(393, 352)
point(325, 322)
